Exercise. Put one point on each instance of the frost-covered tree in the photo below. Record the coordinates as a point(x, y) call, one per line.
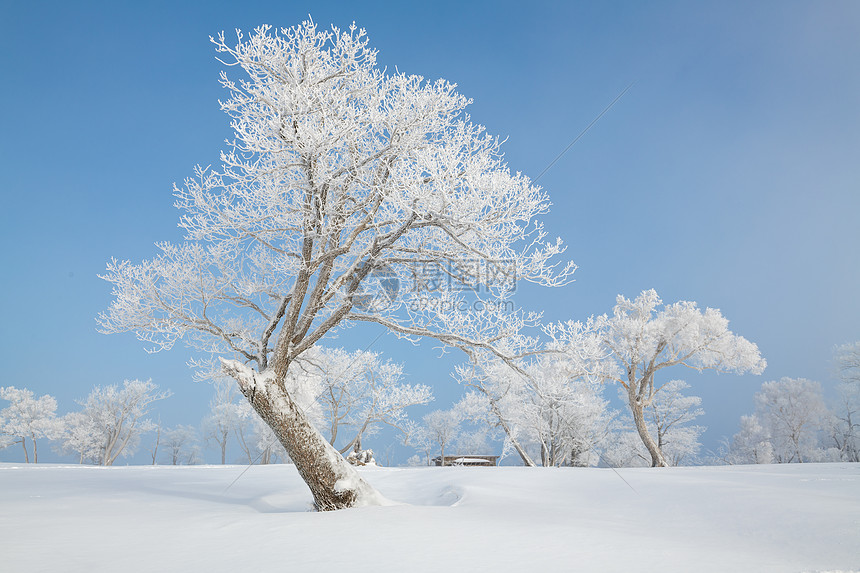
point(668, 419)
point(225, 416)
point(641, 338)
point(848, 362)
point(548, 405)
point(442, 428)
point(417, 437)
point(343, 182)
point(563, 412)
point(359, 391)
point(180, 444)
point(751, 445)
point(117, 419)
point(28, 418)
point(478, 426)
point(156, 442)
point(793, 413)
point(266, 445)
point(671, 414)
point(81, 436)
point(625, 450)
point(499, 386)
point(555, 410)
point(845, 418)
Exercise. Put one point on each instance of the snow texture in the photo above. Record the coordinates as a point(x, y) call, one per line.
point(800, 517)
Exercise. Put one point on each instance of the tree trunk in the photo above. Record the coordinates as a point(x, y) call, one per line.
point(333, 482)
point(657, 459)
point(26, 453)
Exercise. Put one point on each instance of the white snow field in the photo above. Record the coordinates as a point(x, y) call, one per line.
point(138, 518)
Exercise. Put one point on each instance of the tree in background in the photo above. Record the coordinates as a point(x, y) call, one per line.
point(478, 425)
point(669, 419)
point(156, 443)
point(671, 414)
point(82, 436)
point(113, 420)
point(417, 437)
point(442, 427)
point(267, 447)
point(793, 413)
point(845, 419)
point(640, 339)
point(180, 445)
point(751, 445)
point(361, 392)
point(552, 408)
point(28, 418)
point(224, 416)
point(497, 387)
point(343, 183)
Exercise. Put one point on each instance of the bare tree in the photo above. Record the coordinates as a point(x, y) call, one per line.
point(342, 184)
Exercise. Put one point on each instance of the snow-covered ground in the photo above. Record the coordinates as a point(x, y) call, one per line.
point(728, 519)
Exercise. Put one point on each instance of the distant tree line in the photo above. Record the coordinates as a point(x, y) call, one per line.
point(550, 409)
point(352, 395)
point(793, 423)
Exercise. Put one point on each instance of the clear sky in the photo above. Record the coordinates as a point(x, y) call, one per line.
point(729, 174)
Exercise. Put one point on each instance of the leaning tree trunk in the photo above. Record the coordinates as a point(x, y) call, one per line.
point(657, 459)
point(333, 482)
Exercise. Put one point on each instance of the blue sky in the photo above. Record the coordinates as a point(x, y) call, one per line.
point(728, 174)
